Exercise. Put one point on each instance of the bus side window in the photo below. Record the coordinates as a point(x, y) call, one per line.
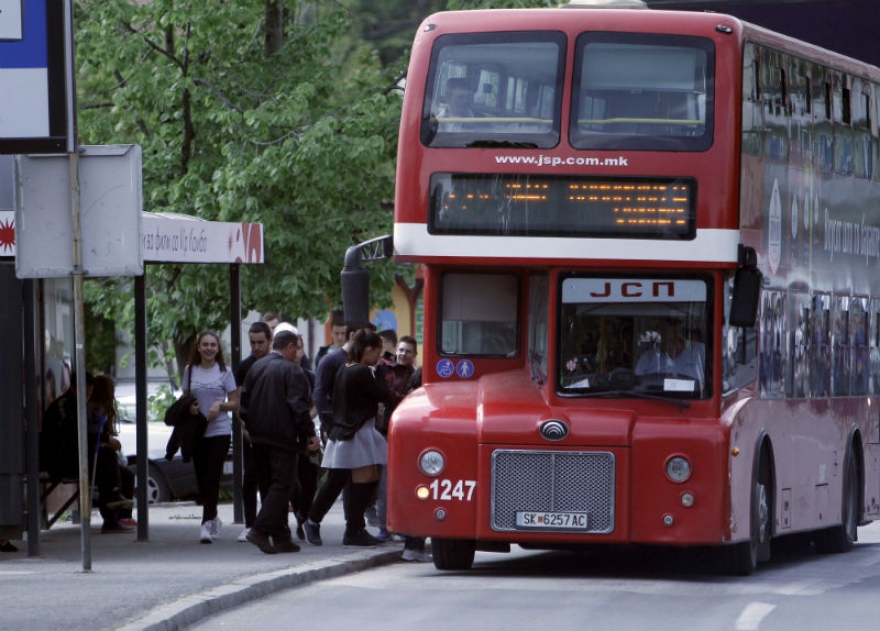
point(874, 347)
point(774, 353)
point(479, 314)
point(539, 305)
point(858, 332)
point(739, 351)
point(840, 347)
point(819, 350)
point(798, 380)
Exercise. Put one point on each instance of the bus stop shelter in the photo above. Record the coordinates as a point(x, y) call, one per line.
point(162, 236)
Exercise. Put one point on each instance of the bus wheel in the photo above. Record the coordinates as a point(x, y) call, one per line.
point(841, 538)
point(741, 559)
point(453, 554)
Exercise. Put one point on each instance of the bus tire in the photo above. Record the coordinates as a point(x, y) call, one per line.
point(741, 559)
point(842, 538)
point(453, 554)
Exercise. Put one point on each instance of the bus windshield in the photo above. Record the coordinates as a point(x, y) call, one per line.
point(633, 336)
point(649, 92)
point(494, 89)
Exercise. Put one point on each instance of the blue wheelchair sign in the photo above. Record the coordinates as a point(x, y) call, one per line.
point(445, 369)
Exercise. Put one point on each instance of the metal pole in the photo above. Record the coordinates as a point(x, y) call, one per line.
point(85, 491)
point(237, 445)
point(140, 358)
point(33, 401)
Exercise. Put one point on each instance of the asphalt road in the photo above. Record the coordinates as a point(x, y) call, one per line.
point(645, 589)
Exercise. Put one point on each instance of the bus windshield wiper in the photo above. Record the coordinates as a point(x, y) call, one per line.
point(681, 403)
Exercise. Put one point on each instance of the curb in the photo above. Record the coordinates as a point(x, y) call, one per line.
point(191, 609)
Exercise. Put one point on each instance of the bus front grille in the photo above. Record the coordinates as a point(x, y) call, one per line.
point(560, 483)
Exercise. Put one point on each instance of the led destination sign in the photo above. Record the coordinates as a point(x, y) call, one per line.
point(511, 204)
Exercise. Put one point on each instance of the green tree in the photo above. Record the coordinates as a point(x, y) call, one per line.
point(254, 110)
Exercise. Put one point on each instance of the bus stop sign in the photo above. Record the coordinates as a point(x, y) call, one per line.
point(36, 107)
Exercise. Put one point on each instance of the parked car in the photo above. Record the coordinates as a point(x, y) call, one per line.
point(167, 480)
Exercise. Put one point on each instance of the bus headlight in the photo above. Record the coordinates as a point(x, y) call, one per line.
point(678, 469)
point(432, 462)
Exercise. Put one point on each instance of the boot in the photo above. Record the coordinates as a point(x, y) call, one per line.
point(359, 497)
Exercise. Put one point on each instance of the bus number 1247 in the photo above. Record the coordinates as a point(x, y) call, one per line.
point(461, 490)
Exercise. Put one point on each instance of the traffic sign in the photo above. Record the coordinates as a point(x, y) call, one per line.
point(36, 106)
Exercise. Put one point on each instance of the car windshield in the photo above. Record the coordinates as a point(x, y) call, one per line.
point(633, 337)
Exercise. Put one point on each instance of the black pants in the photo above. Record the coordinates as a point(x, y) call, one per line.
point(414, 543)
point(306, 485)
point(276, 472)
point(354, 503)
point(113, 480)
point(336, 480)
point(208, 458)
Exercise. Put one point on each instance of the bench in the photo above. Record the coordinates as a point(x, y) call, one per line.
point(47, 485)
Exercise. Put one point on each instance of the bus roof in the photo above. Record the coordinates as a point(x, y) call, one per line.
point(650, 21)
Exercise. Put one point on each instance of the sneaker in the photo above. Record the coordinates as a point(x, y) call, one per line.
point(128, 521)
point(215, 527)
point(286, 546)
point(416, 556)
point(313, 532)
point(242, 538)
point(120, 502)
point(115, 527)
point(383, 535)
point(371, 516)
point(261, 541)
point(7, 546)
point(205, 533)
point(361, 538)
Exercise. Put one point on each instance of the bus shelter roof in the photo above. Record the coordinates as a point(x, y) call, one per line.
point(177, 238)
point(164, 238)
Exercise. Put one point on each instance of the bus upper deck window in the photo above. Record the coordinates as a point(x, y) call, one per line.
point(486, 88)
point(638, 91)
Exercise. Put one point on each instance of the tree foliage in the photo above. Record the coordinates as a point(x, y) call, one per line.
point(280, 112)
point(297, 133)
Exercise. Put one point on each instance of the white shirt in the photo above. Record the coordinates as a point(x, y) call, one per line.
point(689, 362)
point(208, 386)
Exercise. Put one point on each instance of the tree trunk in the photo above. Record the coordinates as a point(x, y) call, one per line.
point(274, 28)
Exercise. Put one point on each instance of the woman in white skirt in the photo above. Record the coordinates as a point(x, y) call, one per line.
point(354, 446)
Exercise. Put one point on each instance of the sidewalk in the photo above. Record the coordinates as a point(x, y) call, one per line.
point(168, 582)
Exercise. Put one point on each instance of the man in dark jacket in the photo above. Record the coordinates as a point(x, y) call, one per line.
point(275, 410)
point(260, 338)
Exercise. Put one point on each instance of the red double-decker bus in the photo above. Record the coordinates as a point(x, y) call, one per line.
point(650, 244)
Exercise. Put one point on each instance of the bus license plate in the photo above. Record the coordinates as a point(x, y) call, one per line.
point(535, 520)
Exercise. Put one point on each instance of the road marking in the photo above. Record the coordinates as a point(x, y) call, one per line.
point(750, 618)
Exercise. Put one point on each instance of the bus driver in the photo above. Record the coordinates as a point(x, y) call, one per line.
point(673, 353)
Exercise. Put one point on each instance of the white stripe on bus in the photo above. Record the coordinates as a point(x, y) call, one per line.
point(709, 246)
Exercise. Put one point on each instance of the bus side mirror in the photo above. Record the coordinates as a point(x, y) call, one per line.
point(356, 280)
point(746, 290)
point(356, 294)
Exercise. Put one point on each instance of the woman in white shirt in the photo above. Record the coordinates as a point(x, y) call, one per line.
point(209, 380)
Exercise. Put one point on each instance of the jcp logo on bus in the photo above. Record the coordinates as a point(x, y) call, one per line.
point(633, 290)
